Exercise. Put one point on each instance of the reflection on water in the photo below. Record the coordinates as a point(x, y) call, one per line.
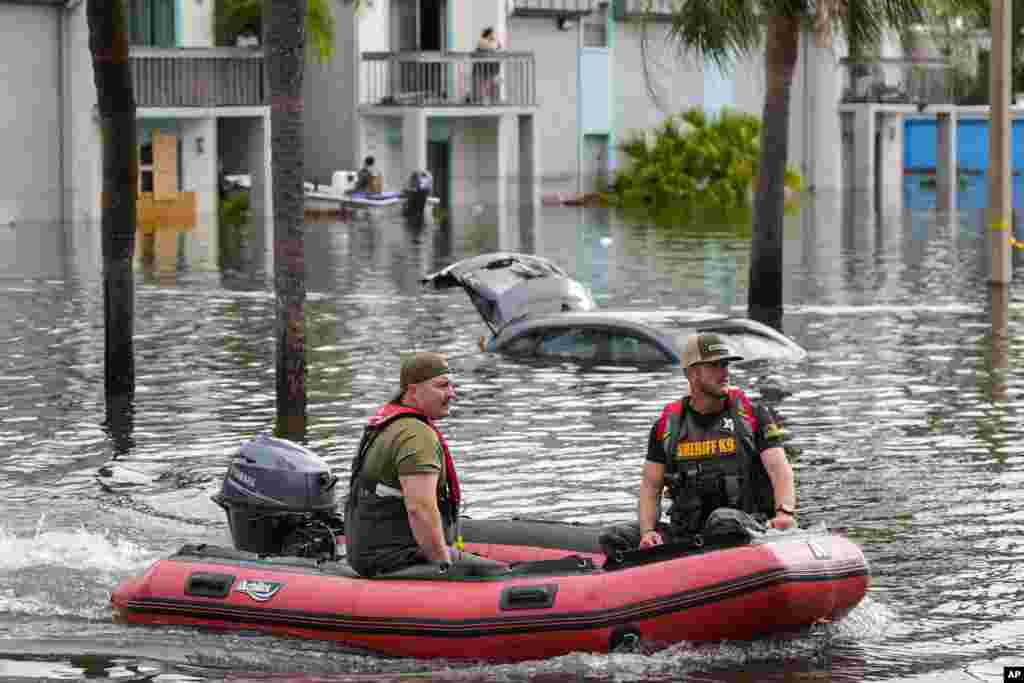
point(904, 420)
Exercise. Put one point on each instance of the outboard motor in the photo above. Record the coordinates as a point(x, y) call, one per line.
point(279, 500)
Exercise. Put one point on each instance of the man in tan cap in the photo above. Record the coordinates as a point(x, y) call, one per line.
point(404, 496)
point(711, 449)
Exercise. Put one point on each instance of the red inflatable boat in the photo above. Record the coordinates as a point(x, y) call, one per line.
point(285, 576)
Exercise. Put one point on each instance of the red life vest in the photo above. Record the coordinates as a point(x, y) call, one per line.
point(391, 411)
point(378, 536)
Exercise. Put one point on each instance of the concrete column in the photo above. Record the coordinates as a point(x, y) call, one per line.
point(864, 148)
point(529, 160)
point(261, 198)
point(890, 173)
point(414, 144)
point(199, 174)
point(946, 166)
point(507, 126)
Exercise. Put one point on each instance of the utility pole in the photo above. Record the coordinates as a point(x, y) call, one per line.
point(999, 171)
point(1000, 193)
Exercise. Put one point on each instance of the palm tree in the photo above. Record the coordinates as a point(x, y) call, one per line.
point(722, 30)
point(284, 52)
point(108, 44)
point(234, 18)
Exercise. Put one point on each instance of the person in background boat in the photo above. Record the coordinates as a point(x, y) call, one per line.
point(712, 449)
point(369, 178)
point(404, 495)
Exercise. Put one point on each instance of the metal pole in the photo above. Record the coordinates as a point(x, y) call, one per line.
point(1000, 175)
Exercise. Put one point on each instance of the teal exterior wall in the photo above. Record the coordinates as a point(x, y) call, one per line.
point(719, 89)
point(595, 91)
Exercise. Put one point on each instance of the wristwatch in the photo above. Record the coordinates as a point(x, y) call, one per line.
point(786, 510)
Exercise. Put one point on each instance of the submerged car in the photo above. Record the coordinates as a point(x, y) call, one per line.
point(535, 310)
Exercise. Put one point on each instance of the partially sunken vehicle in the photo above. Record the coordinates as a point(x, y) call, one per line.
point(535, 310)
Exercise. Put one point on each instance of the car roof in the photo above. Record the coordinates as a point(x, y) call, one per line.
point(750, 339)
point(504, 286)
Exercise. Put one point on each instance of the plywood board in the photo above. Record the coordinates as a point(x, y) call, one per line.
point(165, 165)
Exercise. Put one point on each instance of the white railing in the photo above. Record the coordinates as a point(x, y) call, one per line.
point(197, 77)
point(448, 79)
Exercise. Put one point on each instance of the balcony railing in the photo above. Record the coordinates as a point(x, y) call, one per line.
point(897, 81)
point(448, 79)
point(654, 10)
point(553, 8)
point(197, 77)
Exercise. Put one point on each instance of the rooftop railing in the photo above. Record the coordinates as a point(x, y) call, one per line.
point(897, 81)
point(645, 9)
point(448, 79)
point(556, 8)
point(197, 77)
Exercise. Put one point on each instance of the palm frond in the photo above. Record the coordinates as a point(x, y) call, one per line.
point(717, 30)
point(864, 21)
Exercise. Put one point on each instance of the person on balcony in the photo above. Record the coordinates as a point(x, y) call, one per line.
point(486, 73)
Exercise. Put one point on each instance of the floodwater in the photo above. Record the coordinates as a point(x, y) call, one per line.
point(906, 432)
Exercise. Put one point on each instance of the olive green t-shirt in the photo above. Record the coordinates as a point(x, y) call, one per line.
point(406, 446)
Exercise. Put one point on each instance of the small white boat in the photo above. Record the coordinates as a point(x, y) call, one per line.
point(338, 197)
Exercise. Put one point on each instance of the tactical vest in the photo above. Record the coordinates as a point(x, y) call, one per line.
point(706, 475)
point(378, 537)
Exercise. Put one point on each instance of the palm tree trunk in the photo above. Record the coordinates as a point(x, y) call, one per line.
point(108, 43)
point(284, 47)
point(765, 300)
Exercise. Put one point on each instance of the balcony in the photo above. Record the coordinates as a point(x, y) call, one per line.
point(197, 77)
point(552, 8)
point(651, 10)
point(448, 79)
point(897, 81)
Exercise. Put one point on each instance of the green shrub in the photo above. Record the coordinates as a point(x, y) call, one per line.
point(233, 231)
point(695, 160)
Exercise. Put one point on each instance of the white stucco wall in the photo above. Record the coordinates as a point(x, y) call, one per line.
point(30, 114)
point(677, 82)
point(196, 22)
point(473, 16)
point(83, 160)
point(199, 175)
point(373, 25)
point(330, 102)
point(556, 56)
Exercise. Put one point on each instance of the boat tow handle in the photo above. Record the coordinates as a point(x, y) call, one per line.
point(529, 597)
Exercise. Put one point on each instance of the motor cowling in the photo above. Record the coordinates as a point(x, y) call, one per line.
point(279, 498)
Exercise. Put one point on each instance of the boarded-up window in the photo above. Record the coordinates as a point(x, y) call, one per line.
point(165, 166)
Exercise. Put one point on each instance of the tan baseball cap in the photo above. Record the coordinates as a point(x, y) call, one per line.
point(707, 347)
point(419, 367)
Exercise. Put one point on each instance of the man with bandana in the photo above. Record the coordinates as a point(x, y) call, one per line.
point(711, 449)
point(404, 495)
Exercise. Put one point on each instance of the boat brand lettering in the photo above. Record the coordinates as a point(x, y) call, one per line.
point(709, 448)
point(241, 476)
point(258, 589)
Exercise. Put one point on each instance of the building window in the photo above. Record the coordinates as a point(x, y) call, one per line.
point(152, 23)
point(146, 167)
